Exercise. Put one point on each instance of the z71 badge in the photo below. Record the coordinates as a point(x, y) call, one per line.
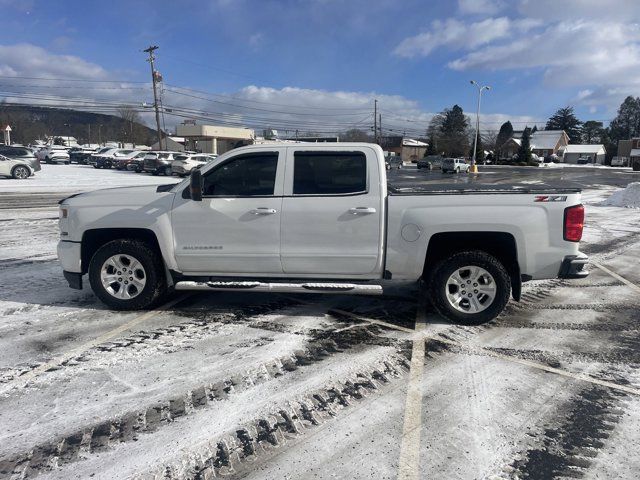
point(550, 198)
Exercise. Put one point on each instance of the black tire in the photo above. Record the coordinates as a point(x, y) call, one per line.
point(167, 171)
point(155, 287)
point(20, 172)
point(47, 160)
point(437, 285)
point(67, 163)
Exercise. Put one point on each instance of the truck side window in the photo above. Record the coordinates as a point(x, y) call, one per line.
point(326, 173)
point(243, 176)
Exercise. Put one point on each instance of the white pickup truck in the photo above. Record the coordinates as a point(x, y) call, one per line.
point(296, 217)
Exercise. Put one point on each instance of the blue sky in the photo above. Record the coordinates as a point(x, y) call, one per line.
point(416, 57)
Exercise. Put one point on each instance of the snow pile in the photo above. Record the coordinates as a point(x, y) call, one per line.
point(629, 197)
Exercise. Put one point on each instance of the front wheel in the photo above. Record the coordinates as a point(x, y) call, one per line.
point(20, 172)
point(127, 275)
point(470, 287)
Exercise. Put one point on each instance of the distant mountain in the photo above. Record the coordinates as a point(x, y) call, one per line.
point(29, 123)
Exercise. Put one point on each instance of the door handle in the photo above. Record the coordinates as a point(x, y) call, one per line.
point(361, 210)
point(263, 211)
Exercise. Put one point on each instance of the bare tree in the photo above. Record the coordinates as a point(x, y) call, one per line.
point(489, 138)
point(132, 117)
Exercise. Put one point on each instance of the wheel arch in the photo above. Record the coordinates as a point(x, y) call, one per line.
point(93, 239)
point(501, 245)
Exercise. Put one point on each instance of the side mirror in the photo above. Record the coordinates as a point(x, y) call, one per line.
point(195, 185)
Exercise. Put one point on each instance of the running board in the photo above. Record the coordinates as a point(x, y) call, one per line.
point(349, 288)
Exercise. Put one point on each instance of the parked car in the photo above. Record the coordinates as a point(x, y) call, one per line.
point(620, 162)
point(584, 161)
point(158, 163)
point(183, 164)
point(424, 163)
point(109, 158)
point(53, 154)
point(271, 218)
point(80, 155)
point(122, 162)
point(93, 158)
point(454, 165)
point(15, 167)
point(21, 153)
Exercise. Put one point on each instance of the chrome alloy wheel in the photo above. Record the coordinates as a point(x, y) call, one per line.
point(123, 276)
point(470, 289)
point(21, 172)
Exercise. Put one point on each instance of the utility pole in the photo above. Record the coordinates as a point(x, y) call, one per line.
point(375, 121)
point(380, 126)
point(89, 126)
point(100, 134)
point(151, 58)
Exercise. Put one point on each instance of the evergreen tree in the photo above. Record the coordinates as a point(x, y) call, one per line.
point(592, 132)
point(524, 153)
point(626, 125)
point(504, 134)
point(454, 132)
point(534, 129)
point(565, 119)
point(431, 148)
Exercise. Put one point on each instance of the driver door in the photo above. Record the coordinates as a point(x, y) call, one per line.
point(235, 229)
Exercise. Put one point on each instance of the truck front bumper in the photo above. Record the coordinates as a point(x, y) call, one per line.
point(574, 266)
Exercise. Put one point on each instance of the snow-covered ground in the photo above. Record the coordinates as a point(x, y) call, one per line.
point(77, 178)
point(267, 386)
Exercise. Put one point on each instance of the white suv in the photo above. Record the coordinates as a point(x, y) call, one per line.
point(454, 165)
point(53, 154)
point(183, 164)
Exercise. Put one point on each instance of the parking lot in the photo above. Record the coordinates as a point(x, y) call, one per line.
point(258, 386)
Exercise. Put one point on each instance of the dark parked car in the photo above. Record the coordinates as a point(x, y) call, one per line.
point(80, 155)
point(424, 163)
point(21, 153)
point(158, 163)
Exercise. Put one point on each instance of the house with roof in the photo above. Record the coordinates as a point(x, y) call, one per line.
point(548, 142)
point(510, 147)
point(543, 143)
point(593, 153)
point(408, 149)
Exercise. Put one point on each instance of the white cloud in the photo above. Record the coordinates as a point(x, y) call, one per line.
point(29, 60)
point(483, 7)
point(457, 35)
point(571, 54)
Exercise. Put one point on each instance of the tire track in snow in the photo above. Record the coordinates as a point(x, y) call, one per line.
point(127, 427)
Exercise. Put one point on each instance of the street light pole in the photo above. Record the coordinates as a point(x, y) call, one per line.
point(474, 168)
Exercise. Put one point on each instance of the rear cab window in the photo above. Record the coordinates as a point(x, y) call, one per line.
point(329, 173)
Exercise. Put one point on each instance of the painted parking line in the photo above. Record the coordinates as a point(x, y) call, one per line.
point(616, 276)
point(409, 463)
point(485, 351)
point(65, 357)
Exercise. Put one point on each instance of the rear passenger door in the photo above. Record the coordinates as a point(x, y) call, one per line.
point(332, 213)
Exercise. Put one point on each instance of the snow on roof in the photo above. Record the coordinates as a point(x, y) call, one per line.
point(584, 149)
point(635, 152)
point(546, 139)
point(410, 142)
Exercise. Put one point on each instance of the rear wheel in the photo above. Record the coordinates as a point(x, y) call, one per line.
point(167, 171)
point(127, 275)
point(470, 287)
point(20, 172)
